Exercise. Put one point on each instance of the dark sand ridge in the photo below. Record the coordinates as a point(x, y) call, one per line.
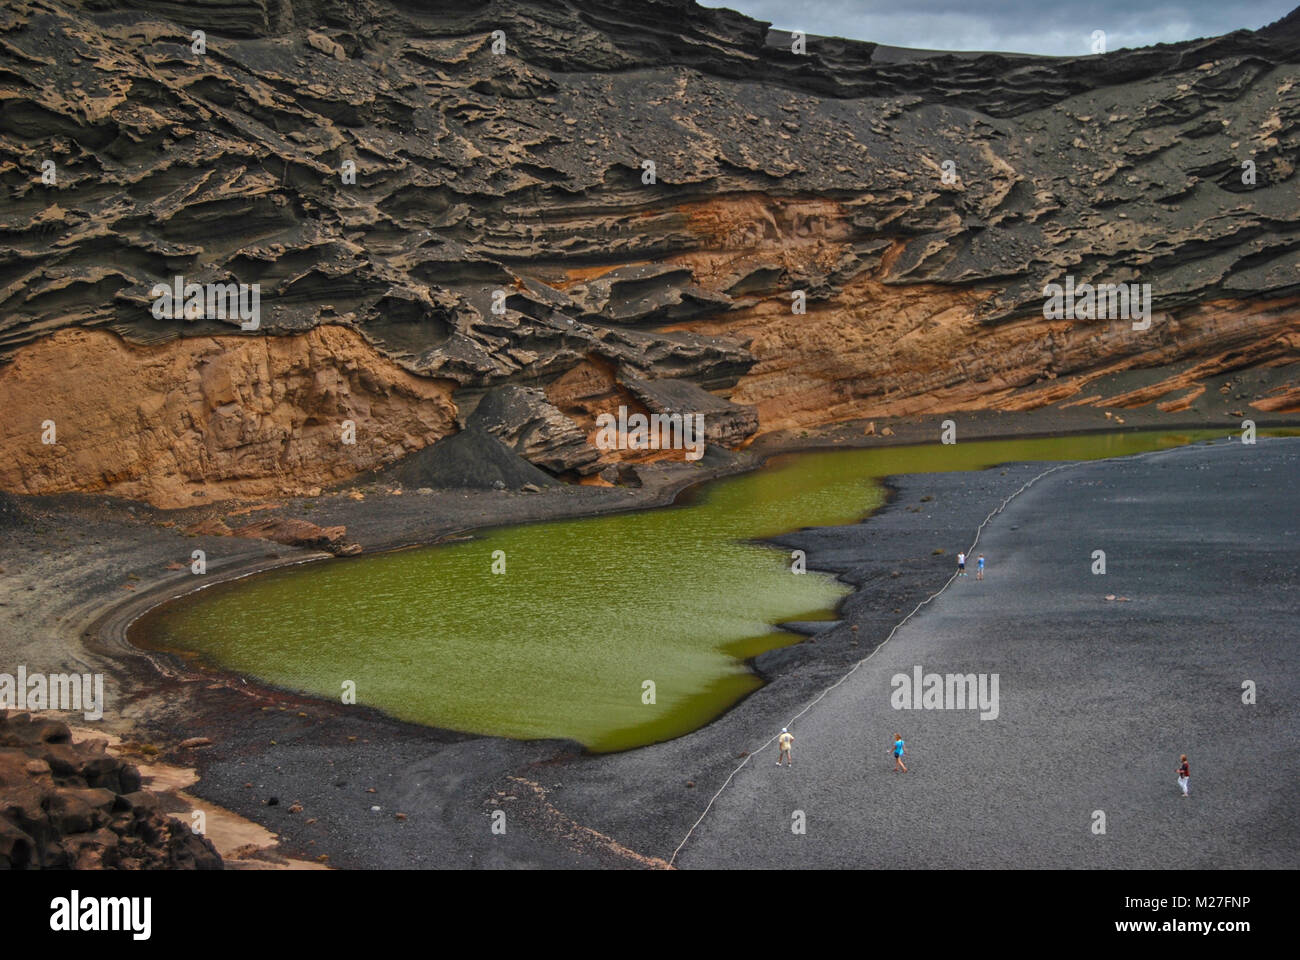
point(1097, 698)
point(442, 780)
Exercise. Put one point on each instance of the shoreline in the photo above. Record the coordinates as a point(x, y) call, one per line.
point(109, 632)
point(181, 712)
point(665, 493)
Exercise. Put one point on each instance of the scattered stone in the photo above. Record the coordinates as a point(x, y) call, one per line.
point(325, 45)
point(194, 742)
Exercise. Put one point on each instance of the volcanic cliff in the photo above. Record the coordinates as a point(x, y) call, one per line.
point(571, 205)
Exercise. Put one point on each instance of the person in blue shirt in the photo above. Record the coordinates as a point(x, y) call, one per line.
point(898, 753)
point(979, 569)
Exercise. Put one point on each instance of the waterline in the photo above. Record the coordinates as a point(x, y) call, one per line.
point(562, 642)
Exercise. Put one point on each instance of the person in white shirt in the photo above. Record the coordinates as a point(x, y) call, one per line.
point(961, 564)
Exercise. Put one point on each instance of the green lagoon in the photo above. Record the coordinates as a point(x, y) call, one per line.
point(560, 644)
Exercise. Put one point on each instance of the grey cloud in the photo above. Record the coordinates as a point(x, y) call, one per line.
point(1024, 26)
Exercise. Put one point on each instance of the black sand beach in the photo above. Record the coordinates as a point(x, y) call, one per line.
point(1092, 715)
point(1098, 698)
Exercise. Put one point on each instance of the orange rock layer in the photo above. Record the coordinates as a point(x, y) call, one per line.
point(208, 418)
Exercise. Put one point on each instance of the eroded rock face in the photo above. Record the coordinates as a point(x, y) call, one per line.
point(71, 805)
point(220, 416)
point(529, 424)
point(502, 226)
point(725, 423)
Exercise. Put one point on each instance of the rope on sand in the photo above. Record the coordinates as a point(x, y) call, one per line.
point(979, 530)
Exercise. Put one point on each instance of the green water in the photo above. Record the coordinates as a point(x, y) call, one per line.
point(586, 611)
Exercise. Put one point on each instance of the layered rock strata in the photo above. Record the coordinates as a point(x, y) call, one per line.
point(437, 200)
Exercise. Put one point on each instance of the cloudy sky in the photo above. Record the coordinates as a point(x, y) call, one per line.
point(1024, 26)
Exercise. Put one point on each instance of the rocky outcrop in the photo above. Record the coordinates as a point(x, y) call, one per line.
point(726, 423)
point(523, 419)
point(71, 805)
point(299, 533)
point(602, 185)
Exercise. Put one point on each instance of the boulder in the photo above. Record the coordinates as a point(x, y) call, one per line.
point(297, 533)
point(71, 805)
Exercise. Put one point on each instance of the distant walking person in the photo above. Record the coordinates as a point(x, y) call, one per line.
point(979, 568)
point(898, 753)
point(961, 564)
point(785, 740)
point(1184, 774)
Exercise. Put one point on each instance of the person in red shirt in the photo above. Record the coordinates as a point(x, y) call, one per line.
point(1184, 774)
